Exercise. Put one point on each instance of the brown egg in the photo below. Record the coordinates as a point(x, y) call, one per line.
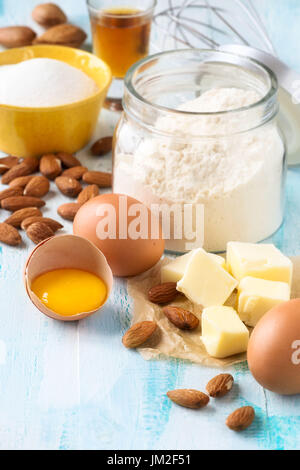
point(274, 349)
point(126, 252)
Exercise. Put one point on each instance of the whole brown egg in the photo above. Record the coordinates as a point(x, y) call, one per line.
point(124, 230)
point(274, 349)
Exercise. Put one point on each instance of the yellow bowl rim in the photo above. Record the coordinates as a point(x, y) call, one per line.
point(91, 98)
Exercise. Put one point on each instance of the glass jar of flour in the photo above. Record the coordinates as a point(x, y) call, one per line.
point(199, 139)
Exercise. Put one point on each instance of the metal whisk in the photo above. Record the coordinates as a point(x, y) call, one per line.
point(206, 23)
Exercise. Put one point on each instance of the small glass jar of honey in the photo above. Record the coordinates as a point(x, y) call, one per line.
point(121, 32)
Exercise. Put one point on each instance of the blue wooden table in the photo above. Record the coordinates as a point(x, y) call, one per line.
point(74, 386)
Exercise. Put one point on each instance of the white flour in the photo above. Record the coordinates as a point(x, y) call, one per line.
point(237, 178)
point(40, 83)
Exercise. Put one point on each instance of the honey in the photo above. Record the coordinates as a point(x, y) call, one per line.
point(121, 37)
point(70, 292)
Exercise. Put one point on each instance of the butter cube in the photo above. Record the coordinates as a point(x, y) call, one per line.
point(175, 270)
point(205, 282)
point(261, 261)
point(223, 332)
point(257, 296)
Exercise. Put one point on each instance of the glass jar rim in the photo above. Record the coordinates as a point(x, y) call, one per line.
point(272, 91)
point(96, 10)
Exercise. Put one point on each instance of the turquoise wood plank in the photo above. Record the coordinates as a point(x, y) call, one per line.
point(73, 386)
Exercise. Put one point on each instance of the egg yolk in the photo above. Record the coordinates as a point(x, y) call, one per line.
point(70, 291)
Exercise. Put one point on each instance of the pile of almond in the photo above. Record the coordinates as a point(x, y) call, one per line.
point(51, 17)
point(26, 189)
point(218, 387)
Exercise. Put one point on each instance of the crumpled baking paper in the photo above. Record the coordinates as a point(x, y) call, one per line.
point(169, 341)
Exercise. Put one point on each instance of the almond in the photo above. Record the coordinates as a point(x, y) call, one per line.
point(100, 178)
point(39, 232)
point(7, 163)
point(10, 192)
point(102, 146)
point(16, 203)
point(189, 398)
point(220, 385)
point(138, 334)
point(163, 293)
point(69, 211)
point(49, 14)
point(181, 318)
point(50, 166)
point(53, 224)
point(64, 35)
point(17, 217)
point(68, 186)
point(88, 193)
point(37, 187)
point(21, 181)
point(68, 160)
point(16, 36)
point(241, 418)
point(75, 172)
point(9, 235)
point(26, 167)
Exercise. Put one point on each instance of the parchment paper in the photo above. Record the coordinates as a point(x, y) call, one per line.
point(169, 340)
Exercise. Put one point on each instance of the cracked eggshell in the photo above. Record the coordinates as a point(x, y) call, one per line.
point(65, 251)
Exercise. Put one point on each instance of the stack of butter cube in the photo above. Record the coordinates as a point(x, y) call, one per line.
point(262, 276)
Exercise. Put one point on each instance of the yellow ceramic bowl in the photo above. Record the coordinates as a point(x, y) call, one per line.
point(28, 132)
